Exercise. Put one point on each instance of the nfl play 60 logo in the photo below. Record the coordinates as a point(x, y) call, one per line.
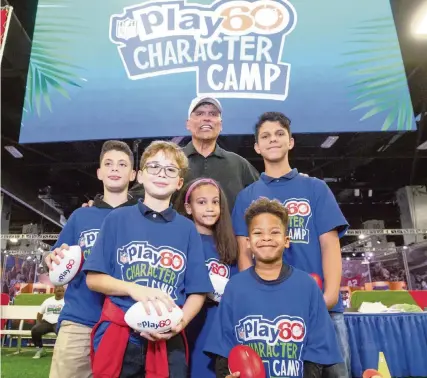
point(165, 257)
point(284, 328)
point(88, 238)
point(299, 207)
point(155, 325)
point(216, 267)
point(67, 271)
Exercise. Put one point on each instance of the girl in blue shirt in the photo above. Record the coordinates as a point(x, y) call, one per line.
point(203, 201)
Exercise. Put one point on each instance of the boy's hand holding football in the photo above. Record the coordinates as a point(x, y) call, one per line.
point(155, 336)
point(55, 256)
point(145, 294)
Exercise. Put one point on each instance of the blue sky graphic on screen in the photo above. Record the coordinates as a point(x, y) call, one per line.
point(123, 69)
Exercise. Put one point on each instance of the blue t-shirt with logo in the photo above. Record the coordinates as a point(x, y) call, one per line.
point(313, 211)
point(202, 365)
point(82, 305)
point(159, 250)
point(285, 321)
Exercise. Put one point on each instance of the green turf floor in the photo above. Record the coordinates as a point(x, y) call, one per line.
point(23, 365)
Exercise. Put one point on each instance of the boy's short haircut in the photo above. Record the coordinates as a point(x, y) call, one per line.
point(117, 145)
point(171, 150)
point(284, 121)
point(264, 205)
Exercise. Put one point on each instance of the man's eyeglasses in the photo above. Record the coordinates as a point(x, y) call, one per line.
point(155, 169)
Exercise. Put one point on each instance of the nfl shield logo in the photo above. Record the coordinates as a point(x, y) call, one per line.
point(123, 257)
point(126, 29)
point(241, 333)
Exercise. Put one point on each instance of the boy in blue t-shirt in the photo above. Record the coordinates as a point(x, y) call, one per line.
point(315, 220)
point(147, 252)
point(274, 308)
point(82, 309)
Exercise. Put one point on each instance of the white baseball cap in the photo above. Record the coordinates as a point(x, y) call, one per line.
point(200, 100)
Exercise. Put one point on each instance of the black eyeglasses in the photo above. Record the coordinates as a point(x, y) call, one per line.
point(155, 169)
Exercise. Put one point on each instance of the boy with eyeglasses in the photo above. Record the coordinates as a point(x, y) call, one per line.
point(140, 250)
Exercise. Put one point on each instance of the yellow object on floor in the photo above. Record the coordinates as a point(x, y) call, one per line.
point(382, 366)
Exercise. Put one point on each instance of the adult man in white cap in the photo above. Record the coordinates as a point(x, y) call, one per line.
point(206, 157)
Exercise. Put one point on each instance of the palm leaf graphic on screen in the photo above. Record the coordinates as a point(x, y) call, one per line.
point(49, 69)
point(380, 85)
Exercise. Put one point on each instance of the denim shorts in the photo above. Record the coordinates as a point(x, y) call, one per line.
point(343, 370)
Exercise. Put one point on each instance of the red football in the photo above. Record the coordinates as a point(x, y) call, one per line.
point(246, 361)
point(371, 373)
point(318, 280)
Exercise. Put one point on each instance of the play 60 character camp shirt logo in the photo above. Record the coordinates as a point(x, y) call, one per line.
point(234, 47)
point(87, 241)
point(160, 267)
point(215, 267)
point(299, 211)
point(278, 342)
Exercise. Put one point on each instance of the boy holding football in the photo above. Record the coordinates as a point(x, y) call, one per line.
point(315, 220)
point(274, 308)
point(82, 306)
point(139, 250)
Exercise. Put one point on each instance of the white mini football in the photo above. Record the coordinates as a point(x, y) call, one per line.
point(218, 283)
point(137, 318)
point(68, 268)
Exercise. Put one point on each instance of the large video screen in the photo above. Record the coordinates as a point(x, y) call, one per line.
point(104, 69)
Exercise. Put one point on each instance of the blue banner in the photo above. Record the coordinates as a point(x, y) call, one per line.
point(104, 69)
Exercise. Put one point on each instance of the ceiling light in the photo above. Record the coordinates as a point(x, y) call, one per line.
point(422, 146)
point(405, 247)
point(13, 240)
point(378, 242)
point(361, 236)
point(347, 258)
point(356, 192)
point(329, 141)
point(370, 193)
point(13, 151)
point(421, 28)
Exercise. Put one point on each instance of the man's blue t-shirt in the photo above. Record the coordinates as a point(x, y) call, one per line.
point(159, 250)
point(82, 305)
point(313, 211)
point(285, 321)
point(198, 329)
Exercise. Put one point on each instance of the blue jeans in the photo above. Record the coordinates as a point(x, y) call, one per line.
point(134, 359)
point(342, 370)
